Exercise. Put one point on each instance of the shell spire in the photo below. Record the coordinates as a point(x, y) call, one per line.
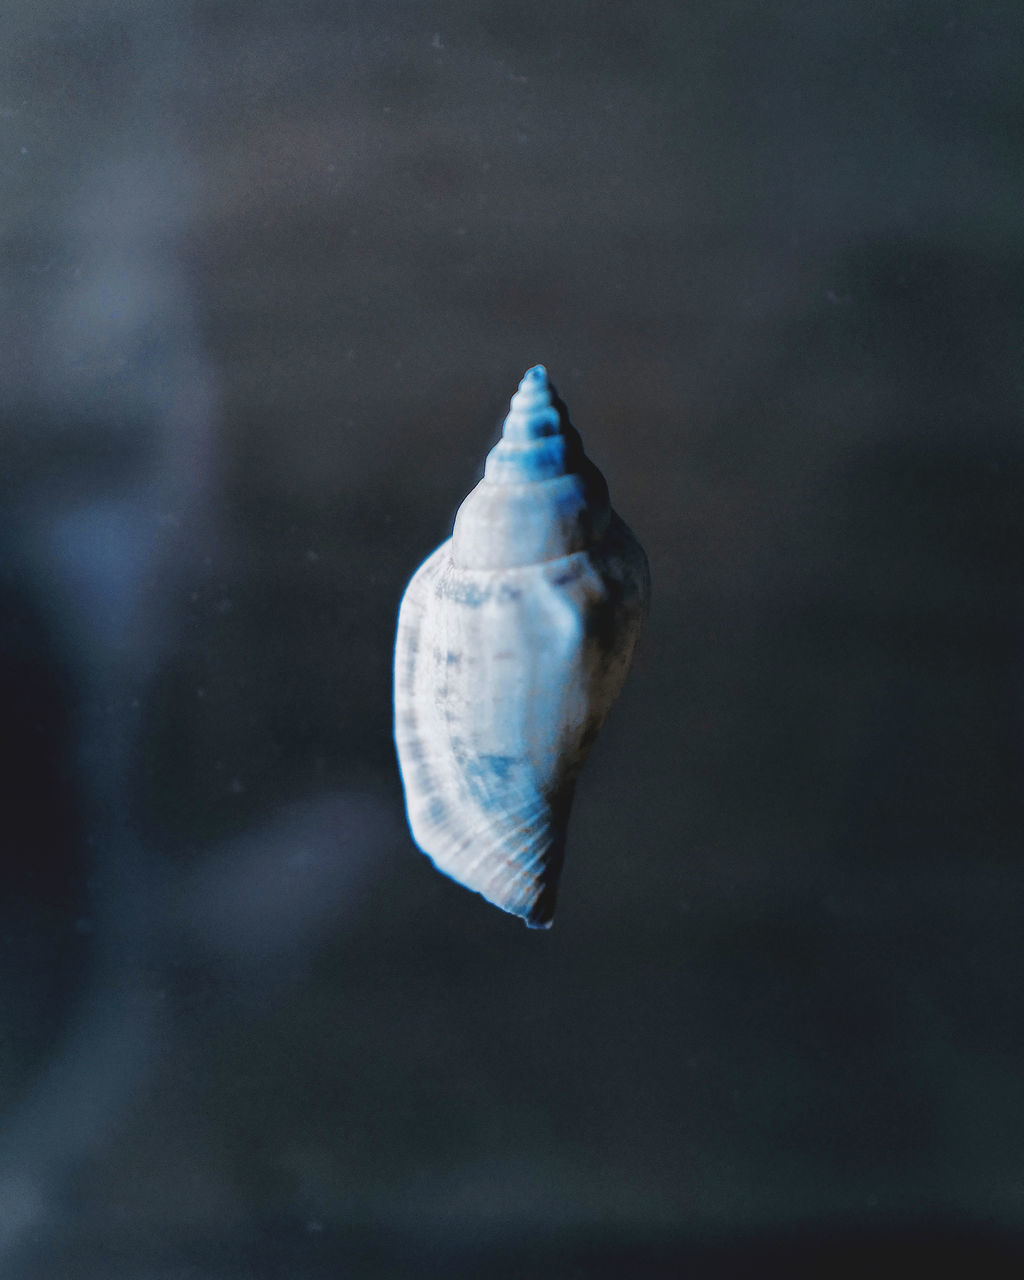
point(514, 639)
point(541, 497)
point(537, 440)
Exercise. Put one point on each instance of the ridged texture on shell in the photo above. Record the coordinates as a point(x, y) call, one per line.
point(514, 639)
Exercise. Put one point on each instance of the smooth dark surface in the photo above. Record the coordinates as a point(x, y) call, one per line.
point(270, 276)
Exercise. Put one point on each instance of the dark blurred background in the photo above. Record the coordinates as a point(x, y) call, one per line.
point(270, 274)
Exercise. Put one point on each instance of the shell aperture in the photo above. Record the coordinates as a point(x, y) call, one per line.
point(514, 639)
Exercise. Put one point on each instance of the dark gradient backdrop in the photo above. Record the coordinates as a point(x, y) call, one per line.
point(270, 273)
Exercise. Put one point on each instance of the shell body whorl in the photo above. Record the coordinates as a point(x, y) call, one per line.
point(514, 639)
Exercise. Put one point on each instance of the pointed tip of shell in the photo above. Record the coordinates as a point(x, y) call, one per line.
point(541, 498)
point(535, 411)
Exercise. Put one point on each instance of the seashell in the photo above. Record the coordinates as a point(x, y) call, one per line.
point(514, 639)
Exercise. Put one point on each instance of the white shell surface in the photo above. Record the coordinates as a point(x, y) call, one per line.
point(504, 675)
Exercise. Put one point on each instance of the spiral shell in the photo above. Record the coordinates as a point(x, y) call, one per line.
point(514, 639)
